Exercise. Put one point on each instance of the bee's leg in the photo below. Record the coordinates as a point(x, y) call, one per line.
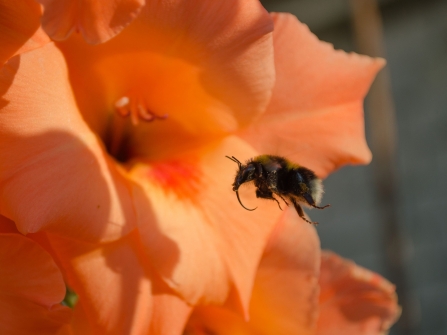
point(279, 195)
point(266, 194)
point(300, 211)
point(279, 205)
point(318, 207)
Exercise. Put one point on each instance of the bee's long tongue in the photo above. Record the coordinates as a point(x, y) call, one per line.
point(239, 199)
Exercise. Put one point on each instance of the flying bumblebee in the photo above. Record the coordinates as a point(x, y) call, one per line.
point(274, 175)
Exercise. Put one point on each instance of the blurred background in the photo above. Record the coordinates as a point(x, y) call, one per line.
point(391, 216)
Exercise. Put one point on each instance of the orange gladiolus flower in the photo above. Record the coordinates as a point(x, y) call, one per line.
point(292, 295)
point(112, 155)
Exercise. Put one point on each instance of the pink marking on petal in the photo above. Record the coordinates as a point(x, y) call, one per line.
point(181, 177)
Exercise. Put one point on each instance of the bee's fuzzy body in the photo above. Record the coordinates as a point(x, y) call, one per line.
point(275, 175)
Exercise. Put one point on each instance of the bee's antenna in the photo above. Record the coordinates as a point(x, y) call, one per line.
point(239, 199)
point(234, 159)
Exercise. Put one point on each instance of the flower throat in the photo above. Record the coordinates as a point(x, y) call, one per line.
point(127, 115)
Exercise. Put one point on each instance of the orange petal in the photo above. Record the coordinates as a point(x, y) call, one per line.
point(54, 173)
point(31, 288)
point(20, 316)
point(285, 293)
point(208, 65)
point(315, 116)
point(354, 300)
point(169, 314)
point(19, 28)
point(113, 288)
point(98, 21)
point(80, 322)
point(197, 236)
point(217, 321)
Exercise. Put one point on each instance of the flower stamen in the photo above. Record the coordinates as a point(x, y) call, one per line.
point(120, 128)
point(137, 110)
point(121, 106)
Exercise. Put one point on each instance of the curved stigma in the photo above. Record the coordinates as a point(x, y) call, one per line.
point(248, 209)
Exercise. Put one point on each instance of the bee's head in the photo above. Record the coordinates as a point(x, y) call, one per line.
point(245, 174)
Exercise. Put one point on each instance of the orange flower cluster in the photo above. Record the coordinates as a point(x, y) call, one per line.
point(115, 119)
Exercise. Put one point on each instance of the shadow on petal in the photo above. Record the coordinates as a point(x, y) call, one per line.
point(110, 279)
point(20, 28)
point(57, 183)
point(54, 172)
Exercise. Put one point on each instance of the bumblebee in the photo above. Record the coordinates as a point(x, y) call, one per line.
point(274, 175)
